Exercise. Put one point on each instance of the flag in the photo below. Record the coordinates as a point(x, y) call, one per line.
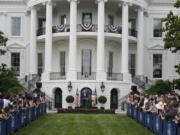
point(77, 99)
point(96, 95)
point(94, 98)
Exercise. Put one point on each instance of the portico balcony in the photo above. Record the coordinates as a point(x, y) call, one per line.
point(86, 76)
point(115, 76)
point(118, 30)
point(87, 28)
point(91, 28)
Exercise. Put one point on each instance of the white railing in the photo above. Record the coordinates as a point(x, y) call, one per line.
point(115, 76)
point(86, 76)
point(57, 76)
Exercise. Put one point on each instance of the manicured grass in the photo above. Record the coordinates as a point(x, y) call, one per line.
point(82, 124)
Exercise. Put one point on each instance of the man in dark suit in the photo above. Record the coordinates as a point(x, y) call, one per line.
point(84, 98)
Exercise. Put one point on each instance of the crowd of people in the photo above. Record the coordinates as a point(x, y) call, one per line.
point(166, 106)
point(15, 102)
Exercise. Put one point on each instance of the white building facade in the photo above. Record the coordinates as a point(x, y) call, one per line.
point(87, 44)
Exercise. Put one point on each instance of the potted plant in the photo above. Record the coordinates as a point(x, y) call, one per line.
point(70, 100)
point(102, 100)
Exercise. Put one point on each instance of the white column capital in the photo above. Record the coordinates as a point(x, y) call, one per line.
point(33, 8)
point(48, 3)
point(98, 1)
point(141, 9)
point(77, 1)
point(124, 3)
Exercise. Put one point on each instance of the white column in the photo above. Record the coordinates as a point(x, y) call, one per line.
point(72, 74)
point(100, 73)
point(48, 41)
point(125, 44)
point(33, 44)
point(140, 41)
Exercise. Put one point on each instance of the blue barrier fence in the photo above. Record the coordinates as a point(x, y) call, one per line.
point(20, 119)
point(153, 122)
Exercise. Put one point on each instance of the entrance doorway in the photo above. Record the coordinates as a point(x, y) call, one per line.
point(58, 98)
point(88, 102)
point(114, 99)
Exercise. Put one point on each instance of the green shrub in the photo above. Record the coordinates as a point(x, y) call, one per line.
point(8, 81)
point(69, 99)
point(160, 87)
point(102, 99)
point(177, 84)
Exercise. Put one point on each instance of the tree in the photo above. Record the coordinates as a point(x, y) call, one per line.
point(8, 81)
point(160, 87)
point(172, 36)
point(3, 41)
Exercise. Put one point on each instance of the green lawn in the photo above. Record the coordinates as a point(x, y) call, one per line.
point(82, 124)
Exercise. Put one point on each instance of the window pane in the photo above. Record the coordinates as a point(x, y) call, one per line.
point(16, 26)
point(42, 23)
point(40, 63)
point(157, 24)
point(132, 64)
point(132, 24)
point(15, 63)
point(87, 18)
point(86, 62)
point(157, 28)
point(110, 64)
point(157, 66)
point(63, 19)
point(110, 20)
point(62, 63)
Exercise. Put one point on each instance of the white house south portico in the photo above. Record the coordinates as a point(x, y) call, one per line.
point(102, 45)
point(96, 72)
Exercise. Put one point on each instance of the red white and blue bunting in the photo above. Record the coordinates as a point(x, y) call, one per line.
point(61, 27)
point(86, 27)
point(113, 28)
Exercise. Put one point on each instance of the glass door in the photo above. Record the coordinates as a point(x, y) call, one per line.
point(86, 62)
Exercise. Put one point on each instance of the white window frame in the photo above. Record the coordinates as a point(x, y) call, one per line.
point(19, 60)
point(156, 18)
point(20, 35)
point(156, 53)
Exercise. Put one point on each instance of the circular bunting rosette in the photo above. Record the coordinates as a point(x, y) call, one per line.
point(61, 27)
point(86, 27)
point(113, 28)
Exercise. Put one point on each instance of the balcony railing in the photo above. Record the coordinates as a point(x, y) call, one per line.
point(61, 28)
point(41, 31)
point(55, 29)
point(89, 28)
point(132, 32)
point(86, 76)
point(113, 29)
point(115, 76)
point(57, 76)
